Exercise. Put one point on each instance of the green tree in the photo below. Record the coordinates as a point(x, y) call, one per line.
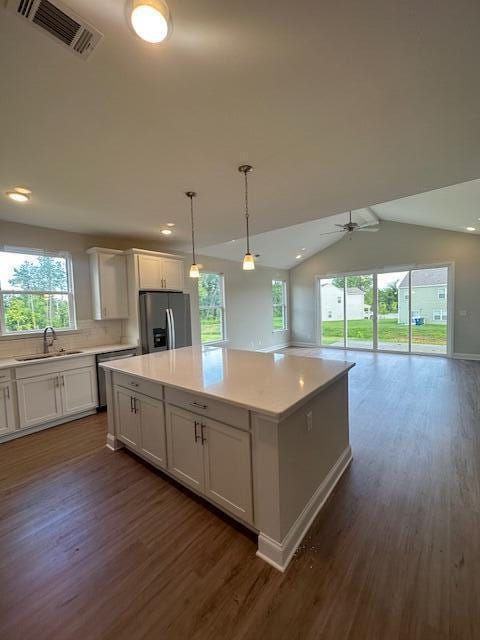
point(364, 283)
point(27, 311)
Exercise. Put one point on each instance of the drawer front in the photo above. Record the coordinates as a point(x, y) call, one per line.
point(215, 409)
point(5, 375)
point(152, 389)
point(54, 366)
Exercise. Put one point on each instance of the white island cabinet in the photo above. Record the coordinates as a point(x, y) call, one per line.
point(263, 436)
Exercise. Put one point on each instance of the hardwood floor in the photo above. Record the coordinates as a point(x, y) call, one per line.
point(97, 545)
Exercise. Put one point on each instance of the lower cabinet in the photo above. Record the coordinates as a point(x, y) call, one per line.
point(211, 457)
point(7, 420)
point(141, 424)
point(51, 396)
point(39, 400)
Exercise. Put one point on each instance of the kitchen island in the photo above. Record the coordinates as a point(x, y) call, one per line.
point(263, 436)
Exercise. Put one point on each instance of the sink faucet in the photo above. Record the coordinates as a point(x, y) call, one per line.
point(46, 343)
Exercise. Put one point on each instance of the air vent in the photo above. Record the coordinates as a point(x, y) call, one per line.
point(59, 22)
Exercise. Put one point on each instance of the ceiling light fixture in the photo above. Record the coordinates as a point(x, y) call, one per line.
point(248, 261)
point(298, 257)
point(471, 229)
point(166, 232)
point(170, 224)
point(194, 270)
point(19, 194)
point(150, 20)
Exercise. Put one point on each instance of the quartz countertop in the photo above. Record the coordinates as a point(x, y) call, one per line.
point(8, 363)
point(268, 383)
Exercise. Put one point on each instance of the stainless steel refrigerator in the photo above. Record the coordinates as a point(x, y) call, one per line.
point(164, 321)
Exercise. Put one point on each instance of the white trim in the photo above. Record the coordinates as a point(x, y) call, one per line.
point(278, 555)
point(18, 433)
point(274, 348)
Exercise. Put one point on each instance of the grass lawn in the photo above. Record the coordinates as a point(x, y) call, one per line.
point(388, 331)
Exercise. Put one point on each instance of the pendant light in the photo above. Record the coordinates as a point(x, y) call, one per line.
point(194, 270)
point(248, 261)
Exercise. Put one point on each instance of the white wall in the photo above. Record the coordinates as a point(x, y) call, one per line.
point(248, 294)
point(395, 245)
point(248, 303)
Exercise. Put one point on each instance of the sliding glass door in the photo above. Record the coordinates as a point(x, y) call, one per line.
point(429, 310)
point(401, 311)
point(332, 304)
point(359, 311)
point(392, 326)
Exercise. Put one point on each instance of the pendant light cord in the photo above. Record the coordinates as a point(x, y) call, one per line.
point(191, 195)
point(246, 210)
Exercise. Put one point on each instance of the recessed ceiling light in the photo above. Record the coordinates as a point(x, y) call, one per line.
point(471, 229)
point(170, 224)
point(19, 194)
point(150, 20)
point(298, 257)
point(166, 232)
point(304, 249)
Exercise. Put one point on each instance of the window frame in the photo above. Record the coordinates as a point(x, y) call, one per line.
point(70, 293)
point(222, 308)
point(283, 304)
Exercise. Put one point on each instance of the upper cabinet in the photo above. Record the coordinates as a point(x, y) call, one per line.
point(108, 273)
point(159, 272)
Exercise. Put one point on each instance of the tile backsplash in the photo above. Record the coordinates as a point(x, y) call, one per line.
point(90, 333)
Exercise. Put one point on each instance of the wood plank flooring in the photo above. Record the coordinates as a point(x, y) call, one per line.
point(97, 545)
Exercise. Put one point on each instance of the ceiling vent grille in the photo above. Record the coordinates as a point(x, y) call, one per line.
point(59, 22)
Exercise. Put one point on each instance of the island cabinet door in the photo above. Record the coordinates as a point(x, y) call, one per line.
point(127, 421)
point(228, 468)
point(152, 429)
point(184, 447)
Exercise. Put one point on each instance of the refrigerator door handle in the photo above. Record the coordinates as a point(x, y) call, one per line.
point(172, 317)
point(169, 330)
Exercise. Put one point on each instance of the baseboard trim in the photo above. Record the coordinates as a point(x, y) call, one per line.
point(113, 443)
point(275, 347)
point(278, 555)
point(19, 433)
point(466, 356)
point(311, 345)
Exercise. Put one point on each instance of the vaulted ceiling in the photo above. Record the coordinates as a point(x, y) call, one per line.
point(337, 105)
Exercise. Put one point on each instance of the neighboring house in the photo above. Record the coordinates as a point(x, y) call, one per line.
point(429, 296)
point(332, 303)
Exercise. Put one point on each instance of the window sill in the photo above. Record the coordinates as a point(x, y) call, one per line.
point(217, 343)
point(280, 330)
point(23, 335)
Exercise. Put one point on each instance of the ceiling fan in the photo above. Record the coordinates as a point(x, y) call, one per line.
point(350, 227)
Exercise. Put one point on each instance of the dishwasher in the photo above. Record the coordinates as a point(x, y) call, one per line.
point(105, 357)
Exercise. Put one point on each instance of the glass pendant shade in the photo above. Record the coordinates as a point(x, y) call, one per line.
point(248, 262)
point(194, 271)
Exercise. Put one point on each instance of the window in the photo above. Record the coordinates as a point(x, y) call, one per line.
point(442, 294)
point(440, 315)
point(211, 301)
point(279, 299)
point(339, 300)
point(36, 291)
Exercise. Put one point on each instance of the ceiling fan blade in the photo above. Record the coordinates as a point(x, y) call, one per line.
point(329, 233)
point(340, 225)
point(370, 229)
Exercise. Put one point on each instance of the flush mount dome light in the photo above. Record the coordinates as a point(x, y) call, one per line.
point(150, 19)
point(19, 194)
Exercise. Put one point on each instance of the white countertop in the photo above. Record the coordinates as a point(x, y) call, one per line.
point(7, 363)
point(269, 383)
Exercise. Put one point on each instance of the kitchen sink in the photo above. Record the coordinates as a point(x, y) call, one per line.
point(43, 356)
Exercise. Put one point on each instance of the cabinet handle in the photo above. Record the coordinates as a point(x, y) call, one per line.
point(131, 404)
point(202, 430)
point(134, 384)
point(63, 380)
point(135, 405)
point(7, 391)
point(197, 437)
point(199, 405)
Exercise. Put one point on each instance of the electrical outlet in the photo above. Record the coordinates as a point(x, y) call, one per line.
point(309, 417)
